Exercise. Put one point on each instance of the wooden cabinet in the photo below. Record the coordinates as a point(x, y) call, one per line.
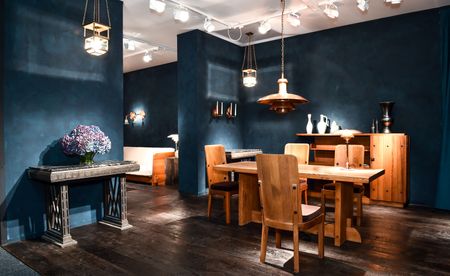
point(389, 152)
point(382, 151)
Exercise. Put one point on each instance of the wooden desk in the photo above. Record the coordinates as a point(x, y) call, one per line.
point(341, 230)
point(59, 178)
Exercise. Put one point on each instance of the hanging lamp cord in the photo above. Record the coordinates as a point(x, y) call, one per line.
point(283, 5)
point(85, 11)
point(96, 15)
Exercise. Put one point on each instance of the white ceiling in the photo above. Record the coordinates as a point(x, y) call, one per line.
point(161, 29)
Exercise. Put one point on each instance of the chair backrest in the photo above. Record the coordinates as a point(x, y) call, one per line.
point(279, 193)
point(215, 155)
point(355, 156)
point(299, 150)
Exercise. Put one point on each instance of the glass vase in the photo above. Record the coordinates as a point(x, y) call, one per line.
point(87, 159)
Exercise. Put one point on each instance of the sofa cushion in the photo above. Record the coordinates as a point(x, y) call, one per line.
point(144, 157)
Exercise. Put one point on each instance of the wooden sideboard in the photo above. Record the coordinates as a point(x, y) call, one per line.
point(382, 151)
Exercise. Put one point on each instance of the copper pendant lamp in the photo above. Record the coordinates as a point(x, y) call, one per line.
point(282, 102)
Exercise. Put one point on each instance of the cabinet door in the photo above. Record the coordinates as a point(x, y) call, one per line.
point(389, 152)
point(380, 152)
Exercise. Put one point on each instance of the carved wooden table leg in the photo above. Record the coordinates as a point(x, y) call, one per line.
point(58, 224)
point(115, 203)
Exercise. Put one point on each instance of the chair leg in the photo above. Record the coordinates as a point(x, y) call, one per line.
point(306, 197)
point(296, 253)
point(320, 238)
point(278, 238)
point(227, 208)
point(264, 234)
point(359, 209)
point(209, 205)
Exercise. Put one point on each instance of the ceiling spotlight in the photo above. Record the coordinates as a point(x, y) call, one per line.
point(208, 25)
point(363, 5)
point(294, 19)
point(181, 14)
point(331, 10)
point(393, 2)
point(264, 27)
point(157, 5)
point(147, 57)
point(129, 45)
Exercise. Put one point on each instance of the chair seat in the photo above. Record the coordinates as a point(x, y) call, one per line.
point(357, 189)
point(310, 212)
point(226, 186)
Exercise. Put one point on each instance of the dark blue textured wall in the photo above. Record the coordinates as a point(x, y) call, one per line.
point(345, 72)
point(52, 85)
point(2, 71)
point(208, 70)
point(153, 90)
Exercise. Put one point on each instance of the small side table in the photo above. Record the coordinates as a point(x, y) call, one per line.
point(171, 170)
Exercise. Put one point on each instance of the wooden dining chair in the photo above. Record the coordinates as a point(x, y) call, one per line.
point(356, 160)
point(218, 182)
point(281, 202)
point(301, 152)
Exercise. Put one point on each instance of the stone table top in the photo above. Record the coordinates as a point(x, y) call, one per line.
point(55, 174)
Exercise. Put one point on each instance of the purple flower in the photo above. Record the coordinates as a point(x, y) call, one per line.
point(84, 139)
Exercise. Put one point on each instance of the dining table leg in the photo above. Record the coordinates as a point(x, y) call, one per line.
point(343, 214)
point(249, 204)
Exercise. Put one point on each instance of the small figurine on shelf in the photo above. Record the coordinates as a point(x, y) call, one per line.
point(334, 127)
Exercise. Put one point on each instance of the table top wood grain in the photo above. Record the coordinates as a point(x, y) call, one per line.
point(312, 171)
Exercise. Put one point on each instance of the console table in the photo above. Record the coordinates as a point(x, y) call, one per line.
point(59, 178)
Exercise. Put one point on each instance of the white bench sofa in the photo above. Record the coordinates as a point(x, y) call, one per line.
point(152, 162)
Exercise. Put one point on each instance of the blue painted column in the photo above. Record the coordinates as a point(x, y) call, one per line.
point(50, 86)
point(208, 71)
point(2, 157)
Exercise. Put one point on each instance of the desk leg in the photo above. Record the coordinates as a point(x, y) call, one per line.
point(58, 224)
point(249, 205)
point(115, 203)
point(343, 214)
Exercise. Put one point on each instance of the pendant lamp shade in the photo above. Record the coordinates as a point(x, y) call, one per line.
point(282, 102)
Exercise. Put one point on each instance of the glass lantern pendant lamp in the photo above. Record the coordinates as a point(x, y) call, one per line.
point(249, 64)
point(96, 34)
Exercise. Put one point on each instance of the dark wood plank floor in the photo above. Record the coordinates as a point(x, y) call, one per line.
point(172, 235)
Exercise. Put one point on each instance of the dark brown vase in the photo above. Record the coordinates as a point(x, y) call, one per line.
point(386, 120)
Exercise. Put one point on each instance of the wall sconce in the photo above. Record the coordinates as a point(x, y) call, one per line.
point(217, 110)
point(231, 111)
point(131, 117)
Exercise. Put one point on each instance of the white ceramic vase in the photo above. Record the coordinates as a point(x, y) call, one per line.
point(309, 125)
point(334, 127)
point(322, 125)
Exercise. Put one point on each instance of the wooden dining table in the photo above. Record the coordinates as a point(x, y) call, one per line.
point(342, 228)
